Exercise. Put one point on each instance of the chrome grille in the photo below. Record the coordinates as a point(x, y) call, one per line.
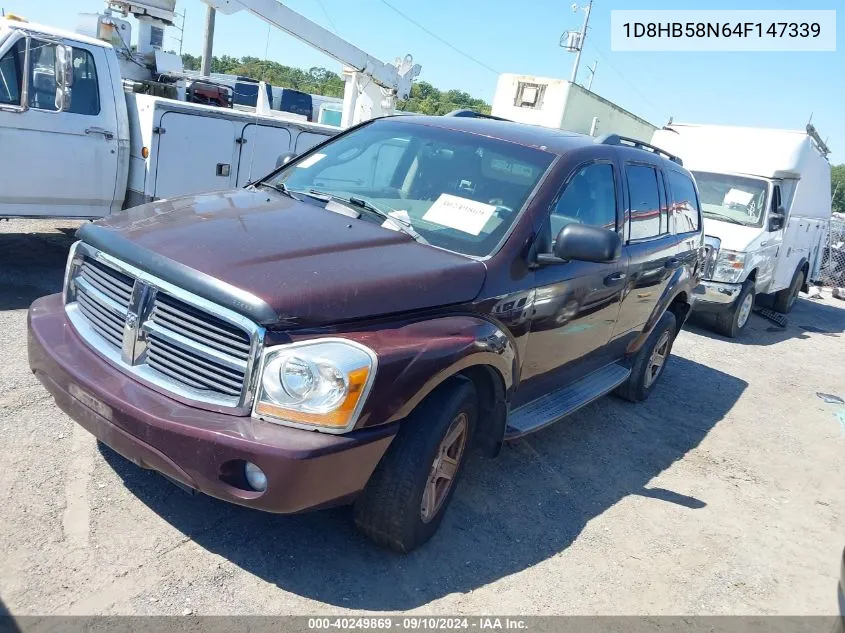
point(103, 296)
point(196, 348)
point(169, 338)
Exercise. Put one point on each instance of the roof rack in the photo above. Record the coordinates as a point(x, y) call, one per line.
point(616, 139)
point(472, 114)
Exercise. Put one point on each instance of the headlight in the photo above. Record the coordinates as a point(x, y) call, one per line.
point(319, 384)
point(729, 266)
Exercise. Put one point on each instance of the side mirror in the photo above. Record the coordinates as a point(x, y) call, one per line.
point(64, 76)
point(777, 219)
point(585, 243)
point(284, 159)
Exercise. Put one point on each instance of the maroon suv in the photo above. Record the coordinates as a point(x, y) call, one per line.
point(348, 328)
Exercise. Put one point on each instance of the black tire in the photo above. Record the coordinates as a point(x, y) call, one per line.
point(642, 379)
point(730, 322)
point(785, 299)
point(390, 509)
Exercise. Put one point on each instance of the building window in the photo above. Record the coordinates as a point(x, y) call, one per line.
point(529, 95)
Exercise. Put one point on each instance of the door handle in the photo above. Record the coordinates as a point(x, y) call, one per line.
point(98, 130)
point(672, 262)
point(615, 278)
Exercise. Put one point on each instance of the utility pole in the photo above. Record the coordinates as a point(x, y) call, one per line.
point(182, 30)
point(592, 74)
point(208, 45)
point(581, 37)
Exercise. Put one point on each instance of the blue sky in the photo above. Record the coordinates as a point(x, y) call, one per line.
point(755, 89)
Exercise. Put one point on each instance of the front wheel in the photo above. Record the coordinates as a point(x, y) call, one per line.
point(407, 495)
point(732, 322)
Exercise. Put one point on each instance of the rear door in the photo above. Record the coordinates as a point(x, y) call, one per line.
point(57, 163)
point(651, 242)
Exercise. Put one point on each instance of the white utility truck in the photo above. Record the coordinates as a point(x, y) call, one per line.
point(82, 139)
point(765, 198)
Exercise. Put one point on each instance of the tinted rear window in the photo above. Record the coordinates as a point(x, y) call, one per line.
point(684, 202)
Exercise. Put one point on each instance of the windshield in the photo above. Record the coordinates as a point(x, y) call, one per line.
point(457, 190)
point(737, 199)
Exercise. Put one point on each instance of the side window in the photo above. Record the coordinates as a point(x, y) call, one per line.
point(85, 92)
point(685, 205)
point(589, 198)
point(42, 75)
point(11, 74)
point(645, 202)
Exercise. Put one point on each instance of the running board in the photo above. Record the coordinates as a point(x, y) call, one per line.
point(559, 403)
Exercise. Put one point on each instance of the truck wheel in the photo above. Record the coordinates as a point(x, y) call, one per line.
point(650, 360)
point(785, 299)
point(731, 323)
point(409, 491)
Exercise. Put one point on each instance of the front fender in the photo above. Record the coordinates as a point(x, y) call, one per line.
point(416, 358)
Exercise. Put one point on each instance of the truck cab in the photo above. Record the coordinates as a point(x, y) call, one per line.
point(765, 199)
point(65, 134)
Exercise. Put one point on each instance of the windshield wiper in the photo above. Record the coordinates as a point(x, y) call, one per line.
point(721, 216)
point(280, 188)
point(403, 225)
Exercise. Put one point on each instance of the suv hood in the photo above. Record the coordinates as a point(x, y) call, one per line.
point(283, 262)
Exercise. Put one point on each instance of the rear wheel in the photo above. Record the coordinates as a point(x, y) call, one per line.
point(650, 361)
point(407, 495)
point(785, 299)
point(732, 322)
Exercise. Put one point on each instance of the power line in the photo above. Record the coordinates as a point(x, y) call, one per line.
point(629, 83)
point(440, 39)
point(328, 17)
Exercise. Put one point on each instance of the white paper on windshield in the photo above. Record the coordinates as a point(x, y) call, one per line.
point(462, 214)
point(311, 160)
point(737, 197)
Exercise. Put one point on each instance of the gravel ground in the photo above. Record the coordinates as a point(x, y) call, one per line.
point(723, 494)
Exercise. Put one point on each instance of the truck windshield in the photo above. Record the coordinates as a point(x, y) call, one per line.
point(735, 199)
point(459, 191)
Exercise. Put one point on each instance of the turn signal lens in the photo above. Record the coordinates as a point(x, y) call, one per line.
point(145, 152)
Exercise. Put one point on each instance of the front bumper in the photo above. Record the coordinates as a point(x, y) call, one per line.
point(197, 448)
point(714, 296)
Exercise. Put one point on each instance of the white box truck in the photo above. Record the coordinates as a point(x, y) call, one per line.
point(765, 199)
point(81, 146)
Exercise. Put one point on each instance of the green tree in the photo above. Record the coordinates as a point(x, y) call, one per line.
point(837, 187)
point(424, 98)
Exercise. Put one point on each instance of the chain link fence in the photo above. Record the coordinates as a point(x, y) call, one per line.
point(832, 271)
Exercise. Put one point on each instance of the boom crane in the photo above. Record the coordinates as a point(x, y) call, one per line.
point(372, 86)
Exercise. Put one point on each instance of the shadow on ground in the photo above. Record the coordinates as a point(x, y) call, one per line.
point(807, 317)
point(508, 514)
point(31, 265)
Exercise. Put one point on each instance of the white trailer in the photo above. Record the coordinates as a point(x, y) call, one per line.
point(765, 198)
point(563, 105)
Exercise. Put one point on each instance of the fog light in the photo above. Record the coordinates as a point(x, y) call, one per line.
point(255, 477)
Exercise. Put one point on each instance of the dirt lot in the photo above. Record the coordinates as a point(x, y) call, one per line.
point(724, 493)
